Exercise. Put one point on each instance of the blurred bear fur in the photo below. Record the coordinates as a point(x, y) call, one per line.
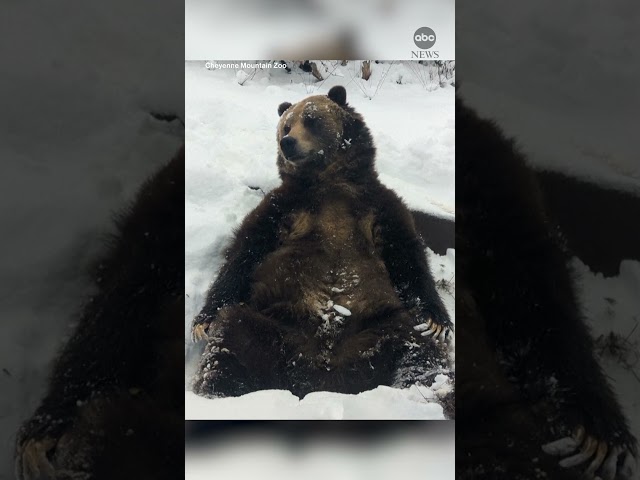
point(527, 373)
point(114, 403)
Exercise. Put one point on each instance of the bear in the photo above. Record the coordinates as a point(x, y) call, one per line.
point(326, 284)
point(116, 387)
point(532, 400)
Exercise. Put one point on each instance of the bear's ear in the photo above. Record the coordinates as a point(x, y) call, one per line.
point(338, 94)
point(283, 106)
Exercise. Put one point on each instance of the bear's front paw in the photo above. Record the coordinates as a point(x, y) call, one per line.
point(199, 332)
point(436, 329)
point(32, 460)
point(220, 375)
point(603, 460)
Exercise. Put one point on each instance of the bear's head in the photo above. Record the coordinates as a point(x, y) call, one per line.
point(322, 133)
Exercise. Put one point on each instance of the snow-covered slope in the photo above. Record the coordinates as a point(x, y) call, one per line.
point(231, 146)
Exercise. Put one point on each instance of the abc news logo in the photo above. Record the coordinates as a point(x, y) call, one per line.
point(424, 38)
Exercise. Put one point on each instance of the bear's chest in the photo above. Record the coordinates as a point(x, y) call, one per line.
point(327, 254)
point(336, 225)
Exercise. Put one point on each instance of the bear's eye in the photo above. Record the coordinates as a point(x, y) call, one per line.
point(310, 122)
point(287, 129)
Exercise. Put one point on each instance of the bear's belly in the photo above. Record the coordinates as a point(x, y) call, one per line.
point(319, 284)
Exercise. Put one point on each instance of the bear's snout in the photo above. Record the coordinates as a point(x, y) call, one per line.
point(288, 145)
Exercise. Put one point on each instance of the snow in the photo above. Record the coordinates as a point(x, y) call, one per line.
point(230, 146)
point(563, 446)
point(381, 403)
point(612, 305)
point(342, 310)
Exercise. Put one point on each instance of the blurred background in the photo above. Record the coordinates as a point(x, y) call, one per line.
point(324, 29)
point(81, 83)
point(562, 80)
point(319, 450)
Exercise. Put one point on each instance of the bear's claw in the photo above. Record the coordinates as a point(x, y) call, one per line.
point(199, 332)
point(434, 330)
point(603, 458)
point(32, 462)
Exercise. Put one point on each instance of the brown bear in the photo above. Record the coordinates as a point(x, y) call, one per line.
point(326, 284)
point(116, 387)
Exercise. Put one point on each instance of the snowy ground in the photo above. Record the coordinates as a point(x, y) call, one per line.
point(612, 306)
point(382, 403)
point(230, 145)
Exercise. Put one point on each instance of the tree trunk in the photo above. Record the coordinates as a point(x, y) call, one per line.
point(366, 69)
